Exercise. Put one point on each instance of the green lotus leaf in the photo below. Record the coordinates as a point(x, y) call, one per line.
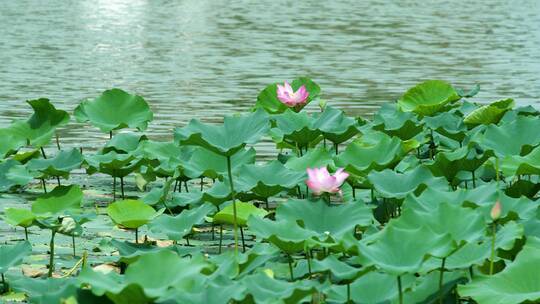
point(219, 193)
point(102, 112)
point(264, 289)
point(447, 124)
point(314, 158)
point(517, 137)
point(60, 165)
point(12, 255)
point(515, 165)
point(177, 227)
point(12, 174)
point(40, 127)
point(131, 213)
point(286, 235)
point(228, 138)
point(335, 125)
point(517, 283)
point(112, 163)
point(295, 128)
point(124, 142)
point(215, 291)
point(449, 164)
point(58, 202)
point(268, 100)
point(19, 217)
point(390, 252)
point(244, 212)
point(45, 291)
point(364, 155)
point(391, 184)
point(341, 271)
point(471, 93)
point(11, 142)
point(164, 157)
point(394, 122)
point(206, 163)
point(426, 289)
point(428, 97)
point(325, 220)
point(130, 252)
point(268, 179)
point(489, 114)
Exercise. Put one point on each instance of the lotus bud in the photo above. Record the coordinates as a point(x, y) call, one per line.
point(496, 211)
point(68, 225)
point(322, 104)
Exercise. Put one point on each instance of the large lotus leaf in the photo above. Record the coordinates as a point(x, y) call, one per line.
point(335, 125)
point(10, 142)
point(264, 289)
point(124, 142)
point(268, 179)
point(103, 111)
point(236, 265)
point(286, 235)
point(428, 97)
point(206, 163)
point(450, 163)
point(391, 184)
point(60, 165)
point(489, 114)
point(177, 227)
point(214, 291)
point(131, 213)
point(362, 156)
point(130, 252)
point(12, 255)
point(45, 291)
point(326, 220)
point(112, 163)
point(394, 122)
point(341, 271)
point(228, 138)
point(447, 124)
point(19, 217)
point(399, 251)
point(219, 193)
point(39, 128)
point(164, 157)
point(12, 173)
point(517, 137)
point(314, 158)
point(517, 283)
point(58, 202)
point(426, 289)
point(375, 287)
point(268, 100)
point(295, 128)
point(243, 212)
point(513, 165)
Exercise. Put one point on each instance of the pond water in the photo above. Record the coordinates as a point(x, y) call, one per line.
point(206, 58)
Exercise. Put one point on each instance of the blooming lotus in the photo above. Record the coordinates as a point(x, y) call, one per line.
point(496, 211)
point(289, 97)
point(320, 181)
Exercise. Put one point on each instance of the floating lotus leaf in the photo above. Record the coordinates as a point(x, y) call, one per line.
point(131, 213)
point(10, 142)
point(244, 212)
point(103, 111)
point(515, 165)
point(40, 127)
point(19, 217)
point(177, 227)
point(449, 164)
point(399, 251)
point(335, 125)
point(206, 163)
point(517, 137)
point(489, 114)
point(286, 235)
point(268, 100)
point(268, 179)
point(326, 220)
point(391, 184)
point(394, 122)
point(12, 174)
point(228, 138)
point(428, 97)
point(130, 252)
point(60, 200)
point(447, 124)
point(124, 142)
point(314, 158)
point(112, 163)
point(61, 165)
point(294, 129)
point(45, 291)
point(264, 289)
point(517, 283)
point(12, 255)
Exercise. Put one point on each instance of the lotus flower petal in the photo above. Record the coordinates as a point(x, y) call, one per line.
point(286, 95)
point(319, 180)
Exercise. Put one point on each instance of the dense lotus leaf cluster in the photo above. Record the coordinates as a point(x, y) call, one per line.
point(440, 204)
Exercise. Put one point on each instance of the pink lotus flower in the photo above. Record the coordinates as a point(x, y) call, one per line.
point(286, 95)
point(496, 211)
point(319, 180)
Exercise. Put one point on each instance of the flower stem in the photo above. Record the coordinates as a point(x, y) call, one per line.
point(233, 197)
point(494, 231)
point(51, 254)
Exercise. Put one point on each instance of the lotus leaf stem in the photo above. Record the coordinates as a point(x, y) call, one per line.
point(493, 236)
point(26, 233)
point(220, 237)
point(122, 187)
point(58, 181)
point(51, 253)
point(473, 179)
point(73, 244)
point(202, 183)
point(43, 153)
point(289, 258)
point(348, 292)
point(44, 186)
point(441, 281)
point(114, 188)
point(57, 142)
point(136, 235)
point(233, 197)
point(186, 186)
point(243, 241)
point(187, 240)
point(400, 290)
point(308, 258)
